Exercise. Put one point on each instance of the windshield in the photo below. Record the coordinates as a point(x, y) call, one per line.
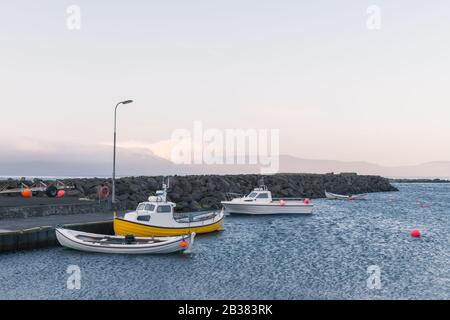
point(145, 207)
point(164, 209)
point(252, 195)
point(263, 195)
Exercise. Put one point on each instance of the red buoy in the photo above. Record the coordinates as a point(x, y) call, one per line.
point(307, 201)
point(61, 193)
point(184, 244)
point(415, 233)
point(27, 193)
point(282, 203)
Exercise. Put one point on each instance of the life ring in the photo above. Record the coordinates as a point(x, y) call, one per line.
point(104, 192)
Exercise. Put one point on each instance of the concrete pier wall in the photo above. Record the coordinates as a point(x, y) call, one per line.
point(25, 211)
point(42, 237)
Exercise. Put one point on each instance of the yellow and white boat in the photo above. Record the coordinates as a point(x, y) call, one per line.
point(156, 218)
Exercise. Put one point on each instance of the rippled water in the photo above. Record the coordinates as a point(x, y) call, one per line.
point(323, 256)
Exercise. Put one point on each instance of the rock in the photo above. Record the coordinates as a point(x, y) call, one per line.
point(74, 193)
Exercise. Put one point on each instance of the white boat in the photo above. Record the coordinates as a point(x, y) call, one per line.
point(334, 196)
point(156, 217)
point(260, 202)
point(99, 243)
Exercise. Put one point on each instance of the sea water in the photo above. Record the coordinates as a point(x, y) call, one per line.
point(331, 254)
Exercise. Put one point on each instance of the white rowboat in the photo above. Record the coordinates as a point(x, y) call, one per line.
point(99, 243)
point(334, 196)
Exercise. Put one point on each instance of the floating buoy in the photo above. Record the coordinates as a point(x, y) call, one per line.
point(61, 193)
point(350, 197)
point(415, 233)
point(306, 201)
point(27, 193)
point(282, 203)
point(184, 244)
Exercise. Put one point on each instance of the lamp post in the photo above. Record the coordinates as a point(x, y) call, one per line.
point(114, 156)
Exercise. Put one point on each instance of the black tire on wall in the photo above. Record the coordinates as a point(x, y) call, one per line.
point(51, 192)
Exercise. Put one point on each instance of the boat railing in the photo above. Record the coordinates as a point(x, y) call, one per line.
point(288, 198)
point(190, 215)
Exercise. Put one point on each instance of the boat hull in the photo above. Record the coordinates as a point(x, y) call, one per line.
point(170, 245)
point(266, 209)
point(124, 227)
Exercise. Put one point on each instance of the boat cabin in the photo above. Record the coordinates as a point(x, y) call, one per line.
point(145, 210)
point(157, 207)
point(259, 195)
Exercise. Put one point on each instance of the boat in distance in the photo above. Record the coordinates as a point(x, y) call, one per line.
point(156, 218)
point(334, 196)
point(260, 202)
point(90, 242)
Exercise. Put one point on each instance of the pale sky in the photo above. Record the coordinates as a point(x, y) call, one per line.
point(334, 88)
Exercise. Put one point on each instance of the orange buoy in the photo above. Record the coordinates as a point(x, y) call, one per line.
point(61, 193)
point(307, 201)
point(27, 193)
point(282, 203)
point(415, 233)
point(184, 244)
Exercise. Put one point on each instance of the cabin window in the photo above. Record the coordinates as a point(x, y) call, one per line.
point(263, 196)
point(141, 207)
point(164, 209)
point(149, 207)
point(252, 195)
point(145, 217)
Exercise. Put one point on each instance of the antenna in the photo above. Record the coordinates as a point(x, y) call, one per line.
point(261, 182)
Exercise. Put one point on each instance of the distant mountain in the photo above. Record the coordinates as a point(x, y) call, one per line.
point(142, 162)
point(429, 169)
point(81, 163)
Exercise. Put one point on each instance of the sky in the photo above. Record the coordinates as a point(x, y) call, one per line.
point(312, 69)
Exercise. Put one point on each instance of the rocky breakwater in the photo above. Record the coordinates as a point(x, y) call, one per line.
point(203, 192)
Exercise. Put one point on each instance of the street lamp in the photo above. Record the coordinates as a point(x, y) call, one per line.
point(114, 156)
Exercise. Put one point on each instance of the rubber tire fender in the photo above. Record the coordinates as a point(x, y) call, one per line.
point(51, 192)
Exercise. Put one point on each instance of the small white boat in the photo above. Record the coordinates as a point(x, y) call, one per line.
point(91, 242)
point(260, 202)
point(334, 196)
